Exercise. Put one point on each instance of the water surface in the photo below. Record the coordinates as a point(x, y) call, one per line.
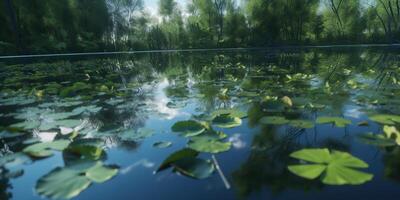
point(130, 102)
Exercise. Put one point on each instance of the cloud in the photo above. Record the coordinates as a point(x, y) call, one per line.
point(144, 163)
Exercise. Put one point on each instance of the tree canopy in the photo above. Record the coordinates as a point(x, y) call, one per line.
point(55, 26)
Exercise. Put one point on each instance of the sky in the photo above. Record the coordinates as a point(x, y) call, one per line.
point(152, 5)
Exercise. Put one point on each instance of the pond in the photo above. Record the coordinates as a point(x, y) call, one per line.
point(265, 124)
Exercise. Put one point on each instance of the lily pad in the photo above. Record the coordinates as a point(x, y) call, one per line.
point(70, 181)
point(301, 123)
point(208, 145)
point(27, 125)
point(226, 121)
point(162, 144)
point(338, 121)
point(176, 156)
point(211, 135)
point(386, 119)
point(334, 168)
point(86, 109)
point(195, 167)
point(234, 112)
point(85, 151)
point(45, 149)
point(15, 159)
point(188, 128)
point(70, 123)
point(62, 184)
point(274, 120)
point(100, 173)
point(376, 139)
point(10, 133)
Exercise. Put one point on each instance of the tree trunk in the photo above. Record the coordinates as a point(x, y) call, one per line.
point(14, 24)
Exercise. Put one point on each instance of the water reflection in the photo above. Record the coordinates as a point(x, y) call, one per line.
point(127, 101)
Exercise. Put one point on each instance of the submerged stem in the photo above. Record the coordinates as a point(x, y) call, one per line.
point(221, 174)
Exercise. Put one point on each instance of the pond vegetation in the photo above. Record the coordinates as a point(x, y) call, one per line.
point(232, 124)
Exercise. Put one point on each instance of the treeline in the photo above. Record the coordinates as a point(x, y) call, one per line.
point(52, 26)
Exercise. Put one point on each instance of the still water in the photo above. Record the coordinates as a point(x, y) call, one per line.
point(101, 127)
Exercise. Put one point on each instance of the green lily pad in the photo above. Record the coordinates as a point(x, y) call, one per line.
point(45, 149)
point(274, 120)
point(85, 151)
point(211, 135)
point(363, 123)
point(178, 155)
point(10, 133)
point(162, 144)
point(226, 121)
point(208, 145)
point(27, 125)
point(334, 168)
point(86, 109)
point(70, 181)
point(194, 167)
point(386, 119)
point(15, 159)
point(338, 121)
point(376, 139)
point(70, 123)
point(234, 112)
point(301, 123)
point(100, 174)
point(188, 128)
point(62, 183)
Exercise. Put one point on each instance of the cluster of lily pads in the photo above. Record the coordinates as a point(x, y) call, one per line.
point(82, 158)
point(202, 138)
point(339, 168)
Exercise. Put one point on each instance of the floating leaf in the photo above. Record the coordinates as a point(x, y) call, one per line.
point(178, 155)
point(208, 145)
point(338, 121)
point(27, 125)
point(194, 167)
point(226, 121)
point(301, 123)
point(70, 181)
point(69, 123)
point(62, 183)
point(15, 159)
point(274, 120)
point(376, 139)
point(86, 109)
point(188, 128)
point(211, 135)
point(234, 112)
point(45, 149)
point(10, 133)
point(100, 174)
point(363, 123)
point(162, 144)
point(334, 168)
point(386, 119)
point(85, 151)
